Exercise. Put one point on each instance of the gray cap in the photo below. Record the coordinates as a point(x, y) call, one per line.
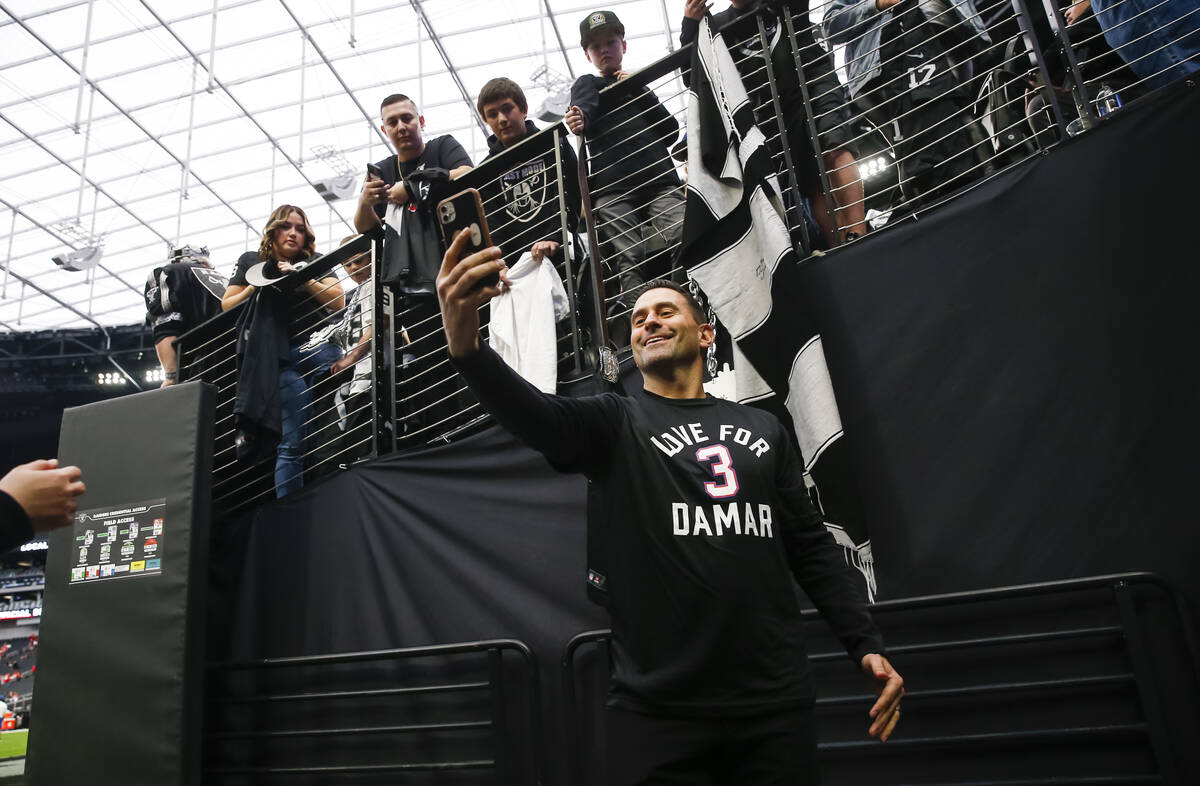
point(596, 23)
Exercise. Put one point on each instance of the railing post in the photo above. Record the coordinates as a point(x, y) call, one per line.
point(1087, 112)
point(1135, 644)
point(1026, 23)
point(811, 122)
point(568, 247)
point(383, 359)
point(501, 744)
point(606, 367)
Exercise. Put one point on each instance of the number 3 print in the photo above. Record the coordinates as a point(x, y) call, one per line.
point(722, 468)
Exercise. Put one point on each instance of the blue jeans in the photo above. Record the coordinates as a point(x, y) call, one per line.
point(1159, 40)
point(302, 369)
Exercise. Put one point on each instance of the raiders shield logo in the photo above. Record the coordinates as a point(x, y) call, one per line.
point(596, 20)
point(525, 191)
point(211, 280)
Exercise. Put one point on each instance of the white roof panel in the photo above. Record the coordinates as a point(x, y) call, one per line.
point(137, 54)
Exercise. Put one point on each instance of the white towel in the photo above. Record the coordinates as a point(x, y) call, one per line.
point(523, 317)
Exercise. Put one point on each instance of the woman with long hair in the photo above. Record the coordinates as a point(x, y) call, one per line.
point(289, 241)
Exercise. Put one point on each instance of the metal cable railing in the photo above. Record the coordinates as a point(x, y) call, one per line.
point(334, 407)
point(528, 196)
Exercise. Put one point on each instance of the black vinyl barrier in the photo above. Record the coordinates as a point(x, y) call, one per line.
point(120, 672)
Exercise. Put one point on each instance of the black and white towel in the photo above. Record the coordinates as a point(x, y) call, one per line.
point(737, 249)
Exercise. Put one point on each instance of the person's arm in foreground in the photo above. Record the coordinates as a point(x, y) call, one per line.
point(567, 431)
point(44, 495)
point(820, 568)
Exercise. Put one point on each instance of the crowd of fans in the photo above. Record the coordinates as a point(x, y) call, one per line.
point(912, 67)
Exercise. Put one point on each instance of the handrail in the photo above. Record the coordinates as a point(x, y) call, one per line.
point(490, 647)
point(366, 655)
point(317, 268)
point(1114, 581)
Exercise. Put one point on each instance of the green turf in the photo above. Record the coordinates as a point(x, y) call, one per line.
point(12, 743)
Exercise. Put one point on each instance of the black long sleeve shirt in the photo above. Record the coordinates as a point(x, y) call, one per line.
point(706, 522)
point(629, 145)
point(15, 525)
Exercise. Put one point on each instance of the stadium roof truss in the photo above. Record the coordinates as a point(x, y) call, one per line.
point(129, 127)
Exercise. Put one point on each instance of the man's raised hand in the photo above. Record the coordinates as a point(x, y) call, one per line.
point(462, 287)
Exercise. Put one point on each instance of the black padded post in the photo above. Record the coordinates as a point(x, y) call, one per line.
point(120, 663)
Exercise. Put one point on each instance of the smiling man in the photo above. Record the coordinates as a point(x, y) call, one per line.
point(706, 522)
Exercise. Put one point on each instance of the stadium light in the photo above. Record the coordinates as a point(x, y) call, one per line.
point(109, 378)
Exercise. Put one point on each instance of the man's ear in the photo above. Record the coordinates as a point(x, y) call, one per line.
point(421, 121)
point(708, 334)
point(624, 46)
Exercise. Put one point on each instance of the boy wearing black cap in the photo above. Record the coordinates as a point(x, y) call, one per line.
point(633, 177)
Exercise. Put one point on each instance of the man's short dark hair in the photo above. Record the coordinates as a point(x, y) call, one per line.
point(497, 90)
point(666, 283)
point(396, 98)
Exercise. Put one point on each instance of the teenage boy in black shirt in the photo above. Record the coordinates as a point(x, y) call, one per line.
point(633, 181)
point(531, 209)
point(707, 521)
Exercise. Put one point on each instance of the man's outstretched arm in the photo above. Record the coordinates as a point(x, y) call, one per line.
point(572, 433)
point(820, 568)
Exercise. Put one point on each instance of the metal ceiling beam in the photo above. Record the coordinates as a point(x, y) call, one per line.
point(558, 35)
point(321, 53)
point(437, 44)
point(108, 38)
point(245, 80)
point(263, 37)
point(57, 235)
point(213, 78)
point(95, 186)
point(256, 39)
point(126, 114)
point(160, 195)
point(47, 293)
point(46, 12)
point(213, 154)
